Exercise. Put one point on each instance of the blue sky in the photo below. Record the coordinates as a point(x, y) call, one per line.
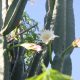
point(37, 12)
point(76, 53)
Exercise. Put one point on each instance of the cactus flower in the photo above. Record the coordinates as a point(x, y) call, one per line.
point(31, 46)
point(47, 35)
point(76, 43)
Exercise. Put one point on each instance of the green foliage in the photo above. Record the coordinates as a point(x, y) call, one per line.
point(30, 27)
point(50, 75)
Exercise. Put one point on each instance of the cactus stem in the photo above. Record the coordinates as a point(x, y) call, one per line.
point(65, 51)
point(50, 52)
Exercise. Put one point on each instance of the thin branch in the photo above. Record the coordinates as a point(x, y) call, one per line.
point(22, 32)
point(27, 29)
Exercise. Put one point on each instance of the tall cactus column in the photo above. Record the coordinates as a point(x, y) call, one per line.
point(64, 28)
point(59, 15)
point(1, 49)
point(1, 21)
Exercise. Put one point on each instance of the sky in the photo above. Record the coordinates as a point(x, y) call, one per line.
point(37, 12)
point(76, 53)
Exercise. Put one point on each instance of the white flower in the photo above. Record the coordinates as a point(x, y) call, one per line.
point(47, 35)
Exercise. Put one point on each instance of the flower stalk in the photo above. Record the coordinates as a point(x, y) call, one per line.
point(43, 66)
point(65, 51)
point(50, 52)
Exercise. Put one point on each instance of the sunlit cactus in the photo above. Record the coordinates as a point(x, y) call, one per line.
point(62, 22)
point(59, 18)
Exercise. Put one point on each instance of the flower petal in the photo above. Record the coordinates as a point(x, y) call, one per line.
point(31, 46)
point(76, 43)
point(47, 35)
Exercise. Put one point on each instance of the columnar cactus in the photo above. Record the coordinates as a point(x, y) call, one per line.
point(62, 21)
point(1, 49)
point(13, 16)
point(60, 17)
point(1, 21)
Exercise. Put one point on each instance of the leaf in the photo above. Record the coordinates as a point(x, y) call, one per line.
point(50, 74)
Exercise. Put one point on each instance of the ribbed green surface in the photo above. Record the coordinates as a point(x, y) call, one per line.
point(64, 27)
point(70, 24)
point(59, 28)
point(14, 15)
point(47, 22)
point(17, 62)
point(56, 63)
point(34, 65)
point(6, 66)
point(67, 66)
point(6, 61)
point(49, 11)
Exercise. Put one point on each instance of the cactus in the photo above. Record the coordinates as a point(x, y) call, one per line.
point(17, 62)
point(60, 17)
point(62, 22)
point(1, 21)
point(1, 50)
point(13, 16)
point(55, 10)
point(12, 19)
